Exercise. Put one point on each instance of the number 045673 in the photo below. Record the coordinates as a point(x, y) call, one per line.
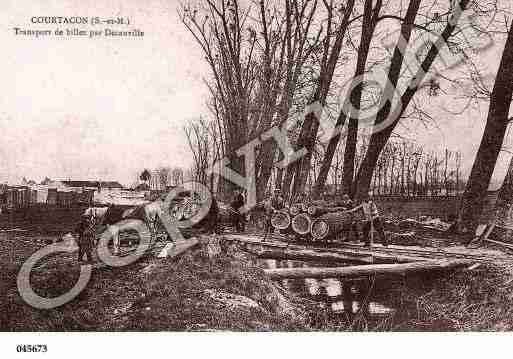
point(39, 348)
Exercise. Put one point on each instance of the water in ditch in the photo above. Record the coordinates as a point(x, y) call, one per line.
point(363, 304)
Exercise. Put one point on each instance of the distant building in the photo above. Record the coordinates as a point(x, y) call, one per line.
point(68, 193)
point(16, 197)
point(95, 185)
point(100, 191)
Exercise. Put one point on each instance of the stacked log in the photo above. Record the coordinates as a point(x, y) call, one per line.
point(302, 224)
point(330, 224)
point(280, 219)
point(299, 219)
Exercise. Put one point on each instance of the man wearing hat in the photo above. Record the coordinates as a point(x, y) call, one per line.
point(237, 216)
point(85, 232)
point(372, 221)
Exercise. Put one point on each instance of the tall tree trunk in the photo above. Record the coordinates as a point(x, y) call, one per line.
point(379, 139)
point(496, 124)
point(310, 127)
point(370, 20)
point(504, 204)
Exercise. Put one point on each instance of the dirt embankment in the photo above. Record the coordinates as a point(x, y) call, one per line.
point(197, 291)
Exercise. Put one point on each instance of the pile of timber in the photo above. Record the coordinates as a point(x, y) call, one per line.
point(315, 221)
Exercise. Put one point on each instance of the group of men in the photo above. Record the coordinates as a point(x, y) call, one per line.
point(371, 219)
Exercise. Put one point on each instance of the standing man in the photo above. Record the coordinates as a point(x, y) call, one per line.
point(85, 231)
point(238, 218)
point(273, 204)
point(213, 217)
point(372, 221)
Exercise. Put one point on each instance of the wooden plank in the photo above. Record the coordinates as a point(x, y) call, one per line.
point(306, 255)
point(385, 256)
point(257, 240)
point(366, 270)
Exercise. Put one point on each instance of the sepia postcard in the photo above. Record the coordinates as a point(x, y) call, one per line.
point(201, 172)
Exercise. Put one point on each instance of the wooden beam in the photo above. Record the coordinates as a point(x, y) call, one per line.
point(390, 257)
point(359, 252)
point(306, 255)
point(366, 270)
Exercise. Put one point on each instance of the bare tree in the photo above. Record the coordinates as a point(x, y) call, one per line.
point(330, 53)
point(379, 139)
point(177, 176)
point(491, 143)
point(256, 51)
point(163, 176)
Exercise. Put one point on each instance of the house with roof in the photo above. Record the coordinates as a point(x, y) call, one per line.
point(99, 191)
point(68, 192)
point(92, 185)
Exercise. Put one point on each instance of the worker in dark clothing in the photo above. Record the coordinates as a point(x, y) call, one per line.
point(347, 203)
point(85, 232)
point(213, 217)
point(273, 204)
point(237, 216)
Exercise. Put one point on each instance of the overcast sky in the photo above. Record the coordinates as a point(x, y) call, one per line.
point(83, 108)
point(88, 108)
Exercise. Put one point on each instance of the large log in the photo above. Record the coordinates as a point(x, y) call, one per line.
point(366, 270)
point(301, 224)
point(331, 224)
point(280, 219)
